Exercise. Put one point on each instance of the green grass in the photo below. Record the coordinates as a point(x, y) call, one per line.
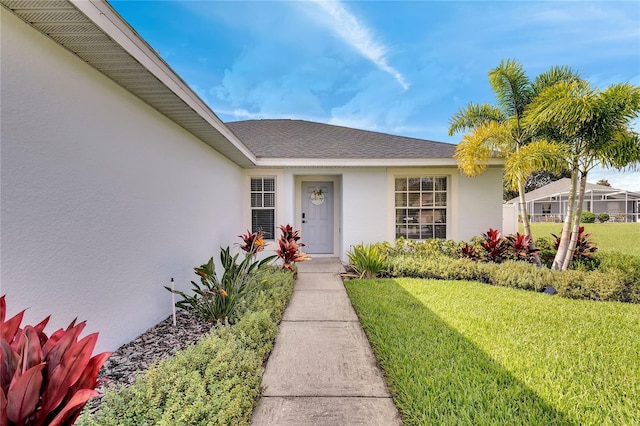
point(621, 237)
point(458, 352)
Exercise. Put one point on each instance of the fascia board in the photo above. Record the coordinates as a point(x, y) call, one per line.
point(363, 162)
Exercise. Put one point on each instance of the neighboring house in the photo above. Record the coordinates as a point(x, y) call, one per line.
point(116, 177)
point(549, 203)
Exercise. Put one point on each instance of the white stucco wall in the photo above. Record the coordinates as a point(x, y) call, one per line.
point(479, 204)
point(365, 200)
point(359, 204)
point(103, 199)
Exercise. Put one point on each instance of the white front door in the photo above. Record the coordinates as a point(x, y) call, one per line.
point(317, 217)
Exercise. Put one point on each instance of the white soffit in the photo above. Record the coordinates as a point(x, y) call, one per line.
point(97, 34)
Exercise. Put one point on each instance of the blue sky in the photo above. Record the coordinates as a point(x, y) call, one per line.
point(400, 67)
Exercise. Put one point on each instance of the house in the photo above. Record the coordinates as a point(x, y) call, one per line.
point(549, 203)
point(117, 177)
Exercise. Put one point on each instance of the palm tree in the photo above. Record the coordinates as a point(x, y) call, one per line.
point(595, 126)
point(497, 130)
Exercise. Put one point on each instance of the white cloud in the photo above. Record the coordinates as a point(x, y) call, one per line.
point(356, 34)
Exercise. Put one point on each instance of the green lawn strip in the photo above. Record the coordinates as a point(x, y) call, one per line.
point(214, 382)
point(457, 352)
point(609, 237)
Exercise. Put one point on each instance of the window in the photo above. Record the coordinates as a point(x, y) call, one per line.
point(546, 208)
point(263, 206)
point(421, 207)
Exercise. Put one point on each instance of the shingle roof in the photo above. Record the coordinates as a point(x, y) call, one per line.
point(305, 139)
point(562, 186)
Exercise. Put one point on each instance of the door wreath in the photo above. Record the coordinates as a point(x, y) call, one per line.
point(317, 197)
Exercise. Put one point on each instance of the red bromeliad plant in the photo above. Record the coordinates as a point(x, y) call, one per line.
point(289, 250)
point(253, 242)
point(469, 252)
point(585, 248)
point(45, 380)
point(495, 246)
point(290, 234)
point(520, 246)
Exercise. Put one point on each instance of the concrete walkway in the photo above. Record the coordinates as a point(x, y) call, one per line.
point(322, 370)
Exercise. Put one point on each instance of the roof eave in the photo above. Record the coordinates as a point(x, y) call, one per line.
point(362, 162)
point(109, 21)
point(131, 63)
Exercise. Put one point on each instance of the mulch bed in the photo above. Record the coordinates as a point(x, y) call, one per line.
point(159, 342)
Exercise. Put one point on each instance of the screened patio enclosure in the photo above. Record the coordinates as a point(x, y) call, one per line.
point(549, 203)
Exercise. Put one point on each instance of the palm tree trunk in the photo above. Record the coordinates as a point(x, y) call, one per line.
point(576, 224)
point(563, 247)
point(525, 223)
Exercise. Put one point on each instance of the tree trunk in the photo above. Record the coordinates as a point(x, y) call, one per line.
point(561, 254)
point(576, 224)
point(525, 223)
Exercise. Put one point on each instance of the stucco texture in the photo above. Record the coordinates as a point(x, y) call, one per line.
point(103, 199)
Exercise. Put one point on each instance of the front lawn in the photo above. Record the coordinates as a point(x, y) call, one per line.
point(458, 352)
point(620, 237)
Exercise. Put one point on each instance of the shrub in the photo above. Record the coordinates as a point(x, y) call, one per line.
point(439, 267)
point(603, 217)
point(596, 285)
point(520, 275)
point(392, 249)
point(434, 246)
point(45, 379)
point(611, 283)
point(629, 265)
point(368, 260)
point(587, 217)
point(214, 382)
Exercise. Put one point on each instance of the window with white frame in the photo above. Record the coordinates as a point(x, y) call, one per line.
point(263, 206)
point(421, 207)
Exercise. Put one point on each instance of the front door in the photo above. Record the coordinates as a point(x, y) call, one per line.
point(317, 217)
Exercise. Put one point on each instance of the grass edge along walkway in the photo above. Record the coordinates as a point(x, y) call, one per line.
point(457, 352)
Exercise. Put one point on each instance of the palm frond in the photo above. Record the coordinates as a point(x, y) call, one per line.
point(473, 116)
point(556, 74)
point(538, 155)
point(622, 151)
point(511, 86)
point(621, 101)
point(480, 145)
point(564, 106)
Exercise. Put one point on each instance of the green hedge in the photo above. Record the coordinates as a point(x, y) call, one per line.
point(214, 382)
point(587, 217)
point(617, 279)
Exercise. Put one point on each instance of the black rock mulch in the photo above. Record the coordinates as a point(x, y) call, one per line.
point(159, 342)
